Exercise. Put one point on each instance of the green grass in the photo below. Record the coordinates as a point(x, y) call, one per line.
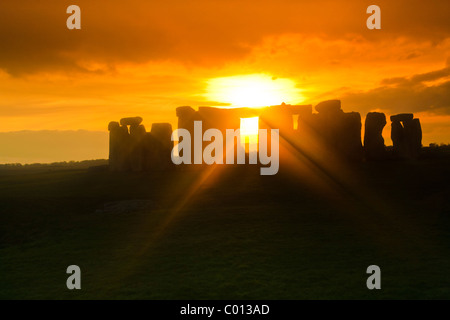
point(232, 234)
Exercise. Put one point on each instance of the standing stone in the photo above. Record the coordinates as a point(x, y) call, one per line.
point(406, 135)
point(186, 117)
point(398, 139)
point(329, 106)
point(351, 146)
point(402, 117)
point(413, 137)
point(125, 147)
point(417, 134)
point(328, 124)
point(131, 121)
point(332, 130)
point(119, 147)
point(344, 135)
point(150, 146)
point(162, 133)
point(374, 147)
point(114, 145)
point(137, 133)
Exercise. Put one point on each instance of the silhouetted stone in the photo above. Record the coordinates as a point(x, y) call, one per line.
point(113, 125)
point(302, 110)
point(329, 106)
point(327, 132)
point(398, 139)
point(162, 133)
point(349, 136)
point(125, 149)
point(418, 133)
point(131, 121)
point(137, 133)
point(132, 148)
point(406, 136)
point(124, 129)
point(402, 117)
point(151, 152)
point(330, 132)
point(279, 117)
point(184, 111)
point(163, 144)
point(413, 137)
point(114, 145)
point(374, 146)
point(186, 117)
point(119, 147)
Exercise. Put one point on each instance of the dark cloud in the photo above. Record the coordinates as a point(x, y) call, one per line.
point(417, 79)
point(430, 76)
point(34, 37)
point(409, 94)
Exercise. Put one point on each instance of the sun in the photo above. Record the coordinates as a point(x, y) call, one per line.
point(254, 90)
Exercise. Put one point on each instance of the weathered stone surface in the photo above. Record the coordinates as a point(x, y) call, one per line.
point(329, 106)
point(374, 147)
point(130, 121)
point(402, 117)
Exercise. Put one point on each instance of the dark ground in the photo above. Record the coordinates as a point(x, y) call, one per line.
point(227, 233)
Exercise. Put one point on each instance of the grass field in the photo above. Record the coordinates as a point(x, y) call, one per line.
point(227, 233)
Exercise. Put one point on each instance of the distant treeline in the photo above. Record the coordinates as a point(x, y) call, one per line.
point(85, 164)
point(436, 151)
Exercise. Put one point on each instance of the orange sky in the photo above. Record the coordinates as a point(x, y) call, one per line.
point(148, 57)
